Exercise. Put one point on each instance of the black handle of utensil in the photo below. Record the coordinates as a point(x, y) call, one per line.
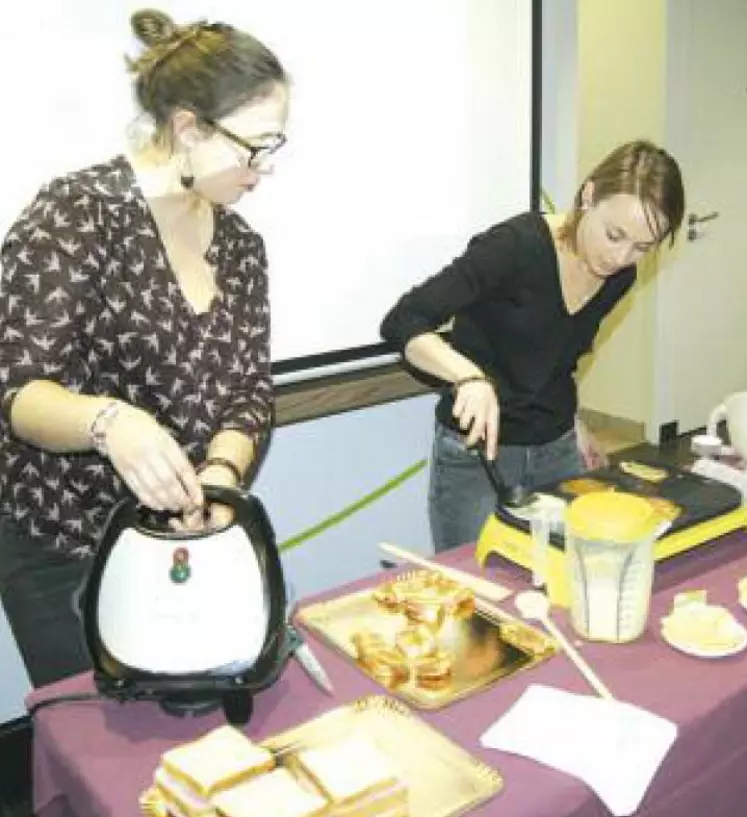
point(506, 496)
point(499, 486)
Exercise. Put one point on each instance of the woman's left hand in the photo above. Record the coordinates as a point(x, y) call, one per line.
point(214, 515)
point(591, 450)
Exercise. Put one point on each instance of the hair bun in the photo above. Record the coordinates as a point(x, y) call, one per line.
point(153, 27)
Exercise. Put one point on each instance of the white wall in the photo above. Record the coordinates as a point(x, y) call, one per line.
point(363, 158)
point(702, 293)
point(621, 53)
point(559, 150)
point(602, 85)
point(14, 682)
point(316, 469)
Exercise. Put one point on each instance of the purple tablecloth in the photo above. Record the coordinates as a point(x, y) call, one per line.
point(93, 759)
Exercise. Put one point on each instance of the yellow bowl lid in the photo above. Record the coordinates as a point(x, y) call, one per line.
point(612, 516)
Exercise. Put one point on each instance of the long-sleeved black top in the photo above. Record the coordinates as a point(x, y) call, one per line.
point(510, 319)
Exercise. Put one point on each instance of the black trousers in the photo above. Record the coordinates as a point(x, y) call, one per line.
point(37, 588)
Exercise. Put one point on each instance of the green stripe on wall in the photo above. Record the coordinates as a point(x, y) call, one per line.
point(348, 511)
point(548, 202)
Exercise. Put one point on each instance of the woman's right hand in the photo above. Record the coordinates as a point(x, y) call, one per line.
point(477, 410)
point(151, 462)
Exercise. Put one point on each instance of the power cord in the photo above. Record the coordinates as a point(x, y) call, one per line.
point(82, 697)
point(62, 699)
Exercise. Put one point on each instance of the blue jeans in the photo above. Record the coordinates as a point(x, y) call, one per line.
point(460, 496)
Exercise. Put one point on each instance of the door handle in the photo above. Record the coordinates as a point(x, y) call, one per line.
point(694, 220)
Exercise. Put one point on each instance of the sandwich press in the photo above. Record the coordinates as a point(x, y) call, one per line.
point(191, 619)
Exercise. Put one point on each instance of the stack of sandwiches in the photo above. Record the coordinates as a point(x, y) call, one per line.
point(413, 658)
point(225, 774)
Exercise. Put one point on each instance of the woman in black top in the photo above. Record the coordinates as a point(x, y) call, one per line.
point(527, 298)
point(134, 326)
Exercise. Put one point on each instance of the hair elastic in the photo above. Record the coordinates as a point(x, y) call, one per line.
point(223, 462)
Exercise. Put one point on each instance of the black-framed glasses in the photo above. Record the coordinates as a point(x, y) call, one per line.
point(272, 142)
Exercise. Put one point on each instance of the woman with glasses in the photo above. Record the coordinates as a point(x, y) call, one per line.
point(134, 326)
point(527, 298)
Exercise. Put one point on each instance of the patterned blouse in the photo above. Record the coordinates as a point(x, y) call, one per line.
point(88, 300)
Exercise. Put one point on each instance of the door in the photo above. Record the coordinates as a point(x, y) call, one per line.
point(701, 304)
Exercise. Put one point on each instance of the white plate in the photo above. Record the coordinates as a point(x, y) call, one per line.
point(691, 649)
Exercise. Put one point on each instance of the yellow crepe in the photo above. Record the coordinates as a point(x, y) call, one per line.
point(643, 471)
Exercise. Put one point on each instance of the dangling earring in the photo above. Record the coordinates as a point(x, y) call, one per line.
point(187, 178)
point(587, 196)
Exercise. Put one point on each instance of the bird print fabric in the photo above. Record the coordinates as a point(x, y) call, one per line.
point(88, 300)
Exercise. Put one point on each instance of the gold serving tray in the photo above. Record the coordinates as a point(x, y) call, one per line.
point(442, 779)
point(485, 646)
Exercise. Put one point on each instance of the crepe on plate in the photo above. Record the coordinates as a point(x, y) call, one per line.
point(704, 628)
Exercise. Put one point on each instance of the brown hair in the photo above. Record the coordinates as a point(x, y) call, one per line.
point(210, 69)
point(643, 170)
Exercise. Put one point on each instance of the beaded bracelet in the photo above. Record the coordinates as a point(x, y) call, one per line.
point(475, 378)
point(225, 463)
point(100, 426)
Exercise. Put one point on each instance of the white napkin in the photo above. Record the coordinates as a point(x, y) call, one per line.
point(614, 747)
